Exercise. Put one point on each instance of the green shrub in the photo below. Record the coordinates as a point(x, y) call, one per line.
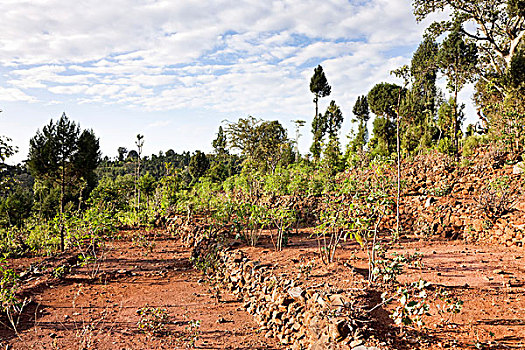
point(469, 145)
point(446, 146)
point(42, 236)
point(153, 320)
point(9, 282)
point(133, 218)
point(11, 242)
point(277, 183)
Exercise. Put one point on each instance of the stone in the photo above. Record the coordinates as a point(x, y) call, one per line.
point(360, 347)
point(355, 343)
point(518, 168)
point(429, 202)
point(337, 300)
point(320, 344)
point(295, 292)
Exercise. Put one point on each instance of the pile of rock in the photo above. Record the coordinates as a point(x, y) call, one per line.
point(447, 200)
point(299, 316)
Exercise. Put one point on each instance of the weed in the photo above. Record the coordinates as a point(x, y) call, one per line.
point(412, 304)
point(141, 241)
point(193, 329)
point(442, 190)
point(451, 306)
point(390, 268)
point(60, 271)
point(497, 198)
point(305, 269)
point(153, 320)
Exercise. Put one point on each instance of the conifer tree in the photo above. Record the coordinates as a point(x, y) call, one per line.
point(457, 60)
point(320, 88)
point(61, 155)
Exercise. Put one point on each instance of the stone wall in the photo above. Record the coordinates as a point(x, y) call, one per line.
point(299, 316)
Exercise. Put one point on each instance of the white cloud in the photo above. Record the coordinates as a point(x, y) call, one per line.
point(13, 95)
point(243, 57)
point(68, 89)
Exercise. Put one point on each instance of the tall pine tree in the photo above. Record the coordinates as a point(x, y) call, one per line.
point(63, 157)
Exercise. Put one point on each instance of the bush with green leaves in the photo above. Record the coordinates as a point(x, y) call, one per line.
point(389, 269)
point(9, 282)
point(249, 220)
point(87, 233)
point(12, 242)
point(204, 196)
point(43, 236)
point(356, 207)
point(114, 194)
point(153, 320)
point(10, 305)
point(450, 305)
point(337, 222)
point(469, 145)
point(277, 183)
point(16, 206)
point(282, 218)
point(446, 146)
point(374, 192)
point(412, 304)
point(169, 186)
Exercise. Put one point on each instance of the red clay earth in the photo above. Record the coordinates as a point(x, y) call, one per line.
point(81, 312)
point(96, 306)
point(490, 280)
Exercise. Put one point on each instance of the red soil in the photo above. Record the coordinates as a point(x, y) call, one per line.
point(96, 306)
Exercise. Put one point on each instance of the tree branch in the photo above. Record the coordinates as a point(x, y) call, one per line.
point(472, 36)
point(499, 88)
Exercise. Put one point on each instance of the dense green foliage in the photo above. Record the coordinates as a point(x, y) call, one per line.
point(362, 114)
point(497, 30)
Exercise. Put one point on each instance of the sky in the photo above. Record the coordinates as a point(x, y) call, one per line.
point(175, 70)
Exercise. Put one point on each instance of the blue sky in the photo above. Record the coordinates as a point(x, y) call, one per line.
point(174, 70)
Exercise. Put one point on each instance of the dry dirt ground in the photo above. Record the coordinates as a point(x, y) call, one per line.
point(490, 280)
point(96, 306)
point(140, 270)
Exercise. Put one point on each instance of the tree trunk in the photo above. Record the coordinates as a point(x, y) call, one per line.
point(456, 141)
point(62, 187)
point(398, 165)
point(317, 155)
point(316, 100)
point(138, 187)
point(398, 178)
